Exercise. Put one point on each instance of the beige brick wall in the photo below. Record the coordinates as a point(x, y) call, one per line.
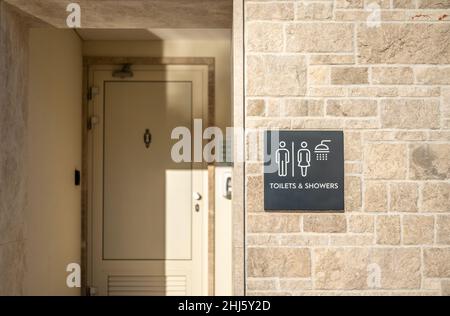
point(318, 65)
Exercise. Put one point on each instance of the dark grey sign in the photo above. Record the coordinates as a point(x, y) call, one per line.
point(304, 170)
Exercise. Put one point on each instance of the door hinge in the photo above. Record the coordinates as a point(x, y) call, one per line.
point(92, 121)
point(92, 92)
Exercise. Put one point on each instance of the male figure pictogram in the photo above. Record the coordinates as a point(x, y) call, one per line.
point(282, 158)
point(304, 158)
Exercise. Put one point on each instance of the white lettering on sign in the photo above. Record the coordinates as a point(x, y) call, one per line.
point(328, 186)
point(304, 186)
point(283, 186)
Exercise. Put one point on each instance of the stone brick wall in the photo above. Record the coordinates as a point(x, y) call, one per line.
point(319, 65)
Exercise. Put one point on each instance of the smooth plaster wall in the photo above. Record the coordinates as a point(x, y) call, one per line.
point(313, 65)
point(13, 128)
point(54, 152)
point(219, 49)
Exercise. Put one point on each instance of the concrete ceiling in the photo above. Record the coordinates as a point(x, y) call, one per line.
point(130, 14)
point(153, 34)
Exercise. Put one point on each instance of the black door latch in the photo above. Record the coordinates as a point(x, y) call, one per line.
point(77, 177)
point(147, 138)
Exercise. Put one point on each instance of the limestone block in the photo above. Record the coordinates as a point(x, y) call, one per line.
point(274, 106)
point(384, 4)
point(266, 123)
point(392, 75)
point(445, 287)
point(435, 197)
point(319, 37)
point(273, 75)
point(273, 223)
point(403, 113)
point(262, 240)
point(317, 123)
point(314, 11)
point(404, 4)
point(361, 123)
point(331, 59)
point(279, 262)
point(404, 197)
point(446, 102)
point(404, 43)
point(352, 107)
point(430, 161)
point(443, 229)
point(303, 240)
point(375, 197)
point(352, 193)
point(434, 4)
point(418, 230)
point(303, 107)
point(399, 267)
point(385, 161)
point(255, 192)
point(327, 91)
point(325, 223)
point(411, 135)
point(269, 11)
point(361, 224)
point(349, 75)
point(388, 230)
point(261, 284)
point(341, 268)
point(318, 75)
point(437, 262)
point(255, 107)
point(352, 240)
point(295, 284)
point(352, 168)
point(352, 146)
point(412, 91)
point(349, 4)
point(433, 75)
point(264, 37)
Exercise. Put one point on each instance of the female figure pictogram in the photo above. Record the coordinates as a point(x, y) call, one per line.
point(304, 158)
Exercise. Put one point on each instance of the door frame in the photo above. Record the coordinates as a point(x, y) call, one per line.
point(88, 63)
point(239, 276)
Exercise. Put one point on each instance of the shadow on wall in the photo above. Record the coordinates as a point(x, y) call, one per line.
point(54, 153)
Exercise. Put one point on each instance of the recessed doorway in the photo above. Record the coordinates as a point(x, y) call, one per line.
point(149, 225)
point(148, 214)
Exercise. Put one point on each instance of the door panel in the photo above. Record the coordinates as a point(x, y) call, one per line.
point(147, 196)
point(145, 235)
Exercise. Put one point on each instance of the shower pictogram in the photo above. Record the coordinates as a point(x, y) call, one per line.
point(322, 150)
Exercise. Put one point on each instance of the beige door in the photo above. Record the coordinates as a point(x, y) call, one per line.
point(148, 218)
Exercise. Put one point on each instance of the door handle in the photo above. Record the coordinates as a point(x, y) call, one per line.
point(227, 185)
point(147, 138)
point(197, 197)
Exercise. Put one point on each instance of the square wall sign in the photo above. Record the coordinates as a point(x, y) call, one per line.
point(304, 171)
